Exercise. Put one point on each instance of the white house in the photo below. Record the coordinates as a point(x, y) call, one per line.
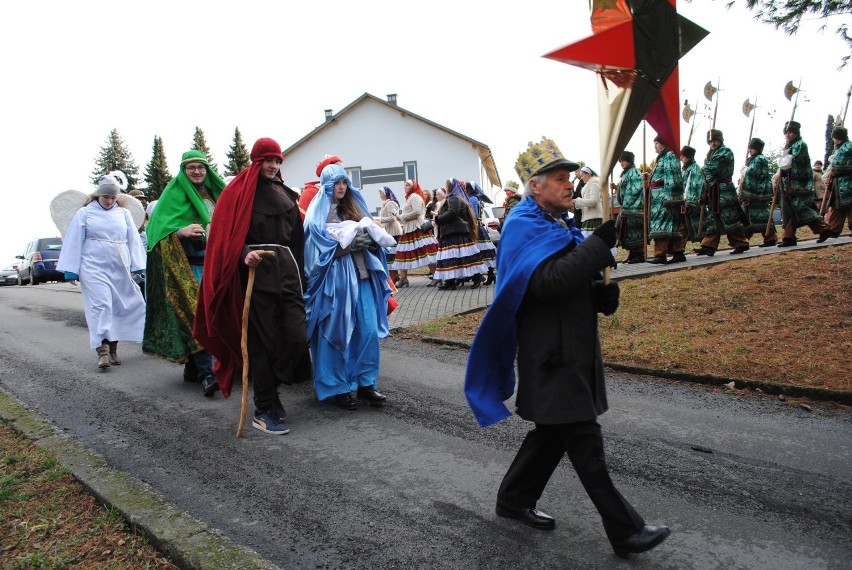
point(382, 144)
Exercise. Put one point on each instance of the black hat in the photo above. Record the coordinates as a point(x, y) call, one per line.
point(840, 133)
point(756, 144)
point(792, 127)
point(688, 152)
point(715, 135)
point(628, 156)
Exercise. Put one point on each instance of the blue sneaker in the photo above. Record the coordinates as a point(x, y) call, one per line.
point(270, 423)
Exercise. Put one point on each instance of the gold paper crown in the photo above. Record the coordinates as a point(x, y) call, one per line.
point(539, 157)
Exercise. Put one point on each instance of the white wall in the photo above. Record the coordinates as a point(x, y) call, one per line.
point(372, 136)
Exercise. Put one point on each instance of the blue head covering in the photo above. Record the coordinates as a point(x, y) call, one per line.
point(332, 293)
point(530, 237)
point(457, 189)
point(389, 194)
point(477, 191)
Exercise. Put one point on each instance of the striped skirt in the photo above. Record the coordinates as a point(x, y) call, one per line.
point(458, 257)
point(487, 251)
point(415, 249)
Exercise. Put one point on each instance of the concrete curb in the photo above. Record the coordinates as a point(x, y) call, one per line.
point(188, 542)
point(838, 396)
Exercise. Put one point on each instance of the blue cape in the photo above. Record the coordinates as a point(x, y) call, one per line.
point(332, 293)
point(530, 236)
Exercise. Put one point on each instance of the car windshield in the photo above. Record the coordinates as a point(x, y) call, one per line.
point(10, 268)
point(497, 211)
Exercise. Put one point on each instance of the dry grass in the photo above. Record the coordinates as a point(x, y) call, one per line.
point(48, 521)
point(783, 319)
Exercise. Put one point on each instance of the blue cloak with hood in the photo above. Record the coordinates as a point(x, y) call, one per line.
point(530, 236)
point(332, 292)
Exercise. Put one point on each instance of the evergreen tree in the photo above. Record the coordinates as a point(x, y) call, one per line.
point(238, 156)
point(829, 144)
point(157, 172)
point(199, 143)
point(115, 156)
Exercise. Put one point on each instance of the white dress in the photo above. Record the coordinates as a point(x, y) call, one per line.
point(103, 247)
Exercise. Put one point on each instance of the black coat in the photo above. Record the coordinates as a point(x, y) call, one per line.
point(560, 369)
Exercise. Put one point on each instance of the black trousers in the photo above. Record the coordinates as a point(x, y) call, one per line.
point(277, 345)
point(541, 452)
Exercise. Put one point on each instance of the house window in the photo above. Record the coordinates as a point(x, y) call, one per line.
point(354, 176)
point(410, 170)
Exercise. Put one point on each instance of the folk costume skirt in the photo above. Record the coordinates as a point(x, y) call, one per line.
point(458, 257)
point(414, 249)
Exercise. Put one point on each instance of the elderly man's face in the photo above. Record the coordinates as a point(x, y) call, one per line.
point(556, 193)
point(715, 144)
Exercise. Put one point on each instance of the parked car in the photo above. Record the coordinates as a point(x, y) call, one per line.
point(38, 263)
point(9, 275)
point(490, 215)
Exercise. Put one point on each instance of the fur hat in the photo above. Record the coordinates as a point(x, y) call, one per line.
point(715, 135)
point(541, 157)
point(628, 157)
point(107, 186)
point(792, 127)
point(688, 152)
point(756, 144)
point(266, 148)
point(840, 133)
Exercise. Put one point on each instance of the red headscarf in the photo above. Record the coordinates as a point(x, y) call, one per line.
point(414, 188)
point(218, 316)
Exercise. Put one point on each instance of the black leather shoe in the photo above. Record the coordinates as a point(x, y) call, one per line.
point(345, 401)
point(677, 258)
point(371, 395)
point(637, 259)
point(209, 385)
point(646, 539)
point(739, 249)
point(658, 259)
point(788, 242)
point(770, 243)
point(530, 516)
point(827, 234)
point(704, 250)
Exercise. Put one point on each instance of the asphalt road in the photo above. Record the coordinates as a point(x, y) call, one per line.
point(743, 481)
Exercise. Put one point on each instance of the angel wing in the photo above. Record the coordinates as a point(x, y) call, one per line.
point(64, 206)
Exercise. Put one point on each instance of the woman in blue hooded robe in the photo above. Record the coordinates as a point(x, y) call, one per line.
point(347, 296)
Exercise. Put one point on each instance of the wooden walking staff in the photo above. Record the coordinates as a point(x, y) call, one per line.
point(606, 204)
point(244, 340)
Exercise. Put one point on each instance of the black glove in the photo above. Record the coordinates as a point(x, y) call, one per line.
point(362, 240)
point(606, 297)
point(606, 232)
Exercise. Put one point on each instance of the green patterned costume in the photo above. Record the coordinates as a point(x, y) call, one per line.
point(666, 197)
point(841, 172)
point(174, 264)
point(797, 187)
point(757, 192)
point(693, 186)
point(724, 205)
point(631, 218)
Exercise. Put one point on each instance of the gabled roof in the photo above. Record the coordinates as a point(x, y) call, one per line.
point(484, 151)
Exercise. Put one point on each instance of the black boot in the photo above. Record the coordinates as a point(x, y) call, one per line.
point(491, 277)
point(449, 285)
point(477, 281)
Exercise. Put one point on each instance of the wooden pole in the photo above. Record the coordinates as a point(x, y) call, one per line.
point(607, 215)
point(244, 342)
point(644, 194)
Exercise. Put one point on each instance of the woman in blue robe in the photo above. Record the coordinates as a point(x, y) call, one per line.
point(347, 296)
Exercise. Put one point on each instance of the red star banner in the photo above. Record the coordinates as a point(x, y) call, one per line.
point(635, 48)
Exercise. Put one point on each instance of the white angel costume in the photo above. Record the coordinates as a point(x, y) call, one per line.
point(103, 248)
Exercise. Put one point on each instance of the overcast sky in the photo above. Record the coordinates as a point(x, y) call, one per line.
point(72, 71)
